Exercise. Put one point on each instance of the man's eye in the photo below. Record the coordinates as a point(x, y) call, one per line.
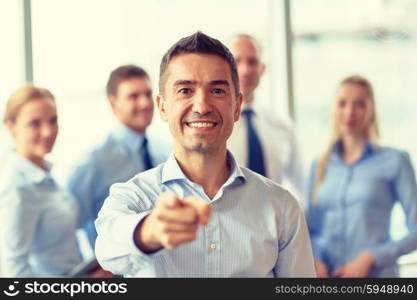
point(253, 62)
point(185, 91)
point(342, 103)
point(217, 91)
point(133, 96)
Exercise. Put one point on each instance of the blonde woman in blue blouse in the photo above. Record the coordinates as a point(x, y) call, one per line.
point(38, 219)
point(352, 189)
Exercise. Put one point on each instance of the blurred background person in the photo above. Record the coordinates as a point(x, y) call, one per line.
point(352, 189)
point(263, 144)
point(39, 219)
point(125, 151)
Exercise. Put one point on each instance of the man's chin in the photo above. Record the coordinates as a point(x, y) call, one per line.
point(203, 148)
point(139, 127)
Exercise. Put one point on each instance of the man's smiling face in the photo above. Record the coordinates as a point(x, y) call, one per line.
point(199, 102)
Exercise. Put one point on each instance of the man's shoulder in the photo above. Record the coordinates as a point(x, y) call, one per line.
point(262, 183)
point(102, 150)
point(104, 145)
point(149, 179)
point(98, 158)
point(142, 189)
point(272, 192)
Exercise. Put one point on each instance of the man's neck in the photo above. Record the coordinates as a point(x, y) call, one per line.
point(140, 131)
point(210, 170)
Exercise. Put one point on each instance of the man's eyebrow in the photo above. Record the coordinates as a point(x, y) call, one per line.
point(184, 82)
point(135, 93)
point(192, 82)
point(219, 82)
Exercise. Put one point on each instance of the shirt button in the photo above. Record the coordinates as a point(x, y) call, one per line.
point(213, 246)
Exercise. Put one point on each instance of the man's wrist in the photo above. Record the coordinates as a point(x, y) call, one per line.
point(143, 237)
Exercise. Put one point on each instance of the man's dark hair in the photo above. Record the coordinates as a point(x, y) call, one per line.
point(123, 73)
point(198, 43)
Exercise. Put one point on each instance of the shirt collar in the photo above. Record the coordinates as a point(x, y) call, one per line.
point(128, 137)
point(32, 172)
point(172, 171)
point(370, 149)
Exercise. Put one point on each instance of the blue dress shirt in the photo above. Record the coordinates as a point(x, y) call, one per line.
point(38, 222)
point(352, 209)
point(257, 228)
point(115, 159)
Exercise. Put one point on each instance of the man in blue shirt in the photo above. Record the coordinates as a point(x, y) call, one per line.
point(124, 152)
point(200, 214)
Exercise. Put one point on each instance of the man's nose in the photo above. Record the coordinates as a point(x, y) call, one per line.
point(144, 102)
point(201, 103)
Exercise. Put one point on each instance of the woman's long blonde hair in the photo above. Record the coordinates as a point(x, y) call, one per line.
point(372, 132)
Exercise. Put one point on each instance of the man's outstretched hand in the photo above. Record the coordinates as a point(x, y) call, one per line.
point(173, 222)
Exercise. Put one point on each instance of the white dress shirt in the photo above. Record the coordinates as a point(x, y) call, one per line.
point(282, 159)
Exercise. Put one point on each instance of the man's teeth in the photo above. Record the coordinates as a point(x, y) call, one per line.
point(201, 124)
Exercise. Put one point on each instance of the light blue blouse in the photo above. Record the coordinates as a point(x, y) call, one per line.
point(38, 222)
point(352, 211)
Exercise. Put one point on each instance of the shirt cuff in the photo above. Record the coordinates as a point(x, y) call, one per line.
point(140, 258)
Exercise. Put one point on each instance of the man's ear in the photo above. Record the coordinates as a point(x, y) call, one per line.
point(238, 107)
point(112, 101)
point(160, 101)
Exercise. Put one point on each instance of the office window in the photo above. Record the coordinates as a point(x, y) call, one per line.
point(11, 60)
point(11, 63)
